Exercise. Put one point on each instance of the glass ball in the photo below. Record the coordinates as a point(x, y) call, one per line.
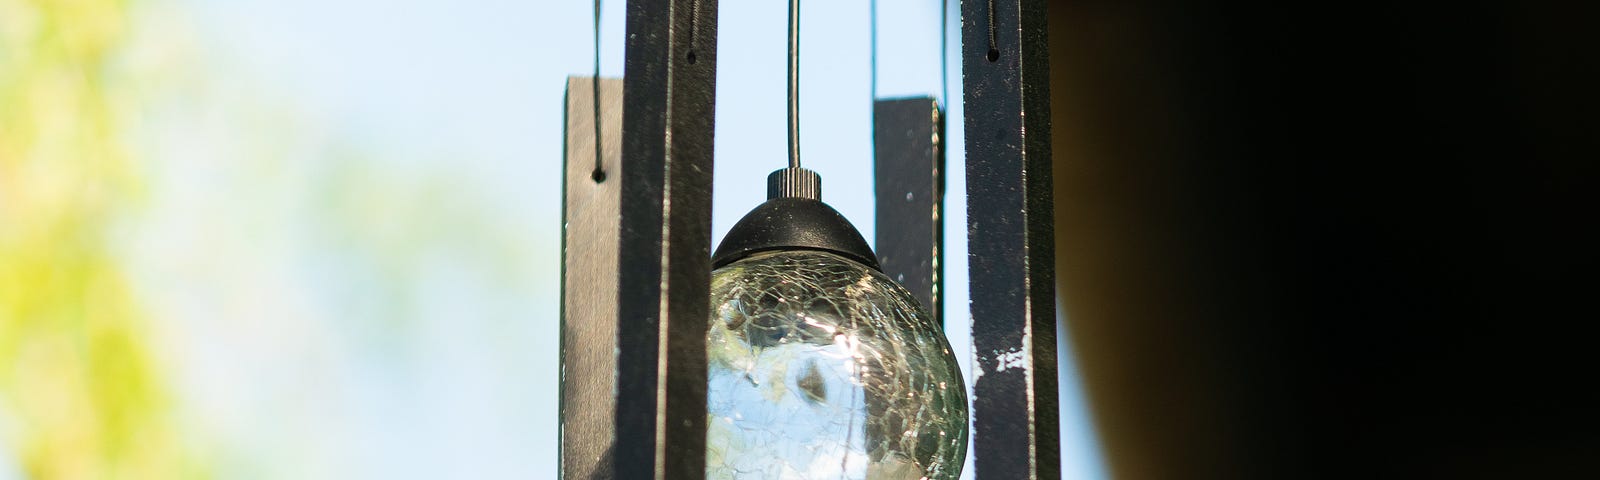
point(823, 368)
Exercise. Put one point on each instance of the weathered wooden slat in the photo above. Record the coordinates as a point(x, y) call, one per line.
point(1005, 67)
point(590, 228)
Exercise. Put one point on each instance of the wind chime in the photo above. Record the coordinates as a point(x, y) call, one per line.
point(790, 352)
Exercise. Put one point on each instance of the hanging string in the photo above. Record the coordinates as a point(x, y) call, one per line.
point(994, 50)
point(794, 83)
point(599, 174)
point(694, 29)
point(944, 53)
point(873, 8)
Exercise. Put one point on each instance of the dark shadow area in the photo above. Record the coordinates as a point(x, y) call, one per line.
point(1330, 241)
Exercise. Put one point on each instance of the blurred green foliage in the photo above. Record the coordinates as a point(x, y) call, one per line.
point(80, 392)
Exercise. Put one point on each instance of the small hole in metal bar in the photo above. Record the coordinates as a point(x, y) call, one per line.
point(690, 57)
point(599, 176)
point(994, 54)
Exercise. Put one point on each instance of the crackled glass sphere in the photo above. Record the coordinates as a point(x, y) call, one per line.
point(823, 368)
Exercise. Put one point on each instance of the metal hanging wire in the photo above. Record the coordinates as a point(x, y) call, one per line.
point(944, 53)
point(599, 174)
point(872, 19)
point(794, 83)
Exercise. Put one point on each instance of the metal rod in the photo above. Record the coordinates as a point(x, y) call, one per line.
point(794, 83)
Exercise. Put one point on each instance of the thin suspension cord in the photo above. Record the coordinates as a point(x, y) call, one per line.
point(599, 174)
point(994, 49)
point(694, 25)
point(794, 83)
point(873, 15)
point(944, 54)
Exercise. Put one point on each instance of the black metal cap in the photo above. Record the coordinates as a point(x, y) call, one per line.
point(793, 218)
point(794, 182)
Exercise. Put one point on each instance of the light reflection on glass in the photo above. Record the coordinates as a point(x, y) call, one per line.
point(820, 367)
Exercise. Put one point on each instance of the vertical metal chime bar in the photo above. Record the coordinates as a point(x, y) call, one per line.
point(589, 277)
point(665, 244)
point(908, 181)
point(1010, 236)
